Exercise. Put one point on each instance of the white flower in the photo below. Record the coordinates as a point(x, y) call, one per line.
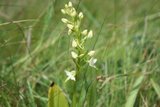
point(91, 53)
point(92, 62)
point(84, 32)
point(64, 20)
point(80, 15)
point(69, 9)
point(70, 26)
point(74, 43)
point(63, 11)
point(70, 75)
point(73, 12)
point(74, 55)
point(90, 34)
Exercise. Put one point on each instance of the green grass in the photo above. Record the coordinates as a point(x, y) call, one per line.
point(127, 44)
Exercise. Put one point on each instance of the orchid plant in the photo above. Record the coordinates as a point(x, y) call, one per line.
point(79, 37)
point(80, 55)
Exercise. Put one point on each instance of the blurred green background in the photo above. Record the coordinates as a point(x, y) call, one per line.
point(34, 50)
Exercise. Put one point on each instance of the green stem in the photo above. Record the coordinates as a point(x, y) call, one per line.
point(76, 93)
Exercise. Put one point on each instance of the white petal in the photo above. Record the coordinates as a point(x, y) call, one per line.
point(90, 34)
point(91, 53)
point(63, 11)
point(70, 75)
point(85, 32)
point(70, 4)
point(66, 5)
point(74, 55)
point(73, 12)
point(70, 26)
point(74, 43)
point(80, 15)
point(92, 62)
point(67, 72)
point(64, 20)
point(69, 31)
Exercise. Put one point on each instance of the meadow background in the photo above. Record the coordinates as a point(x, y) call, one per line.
point(34, 51)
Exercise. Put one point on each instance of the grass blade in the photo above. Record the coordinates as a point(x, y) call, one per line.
point(134, 92)
point(156, 87)
point(31, 96)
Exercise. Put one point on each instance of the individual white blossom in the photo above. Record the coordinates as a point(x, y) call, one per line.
point(92, 62)
point(84, 32)
point(66, 6)
point(64, 20)
point(70, 75)
point(70, 26)
point(73, 12)
point(74, 55)
point(63, 11)
point(70, 4)
point(80, 15)
point(74, 43)
point(90, 34)
point(91, 53)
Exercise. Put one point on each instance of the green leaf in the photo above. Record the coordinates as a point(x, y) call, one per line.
point(156, 87)
point(56, 97)
point(134, 92)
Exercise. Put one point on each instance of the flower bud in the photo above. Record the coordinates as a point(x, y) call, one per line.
point(85, 32)
point(74, 55)
point(66, 5)
point(74, 43)
point(63, 11)
point(90, 34)
point(73, 12)
point(70, 26)
point(64, 20)
point(70, 4)
point(91, 53)
point(80, 15)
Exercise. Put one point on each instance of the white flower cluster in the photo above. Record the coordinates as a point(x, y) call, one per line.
point(79, 38)
point(71, 12)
